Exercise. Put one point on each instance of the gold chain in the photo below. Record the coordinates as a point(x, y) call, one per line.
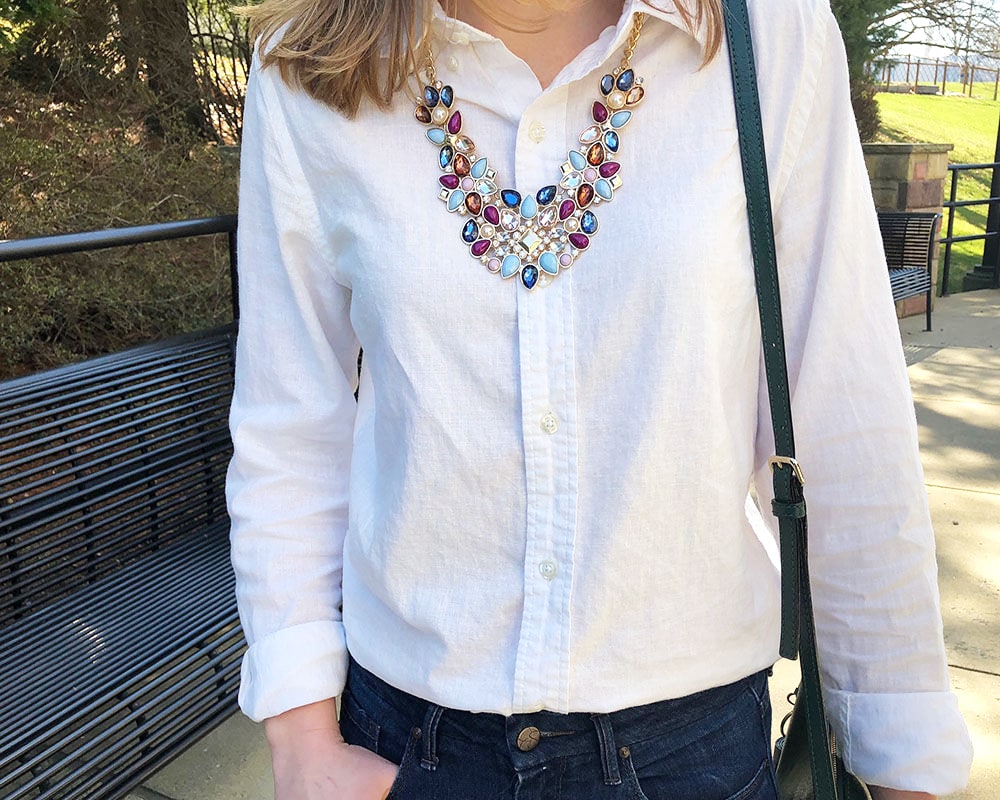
point(633, 40)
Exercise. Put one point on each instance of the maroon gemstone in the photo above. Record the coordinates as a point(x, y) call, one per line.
point(609, 168)
point(449, 181)
point(600, 112)
point(492, 215)
point(474, 202)
point(479, 248)
point(579, 241)
point(585, 195)
point(566, 209)
point(455, 123)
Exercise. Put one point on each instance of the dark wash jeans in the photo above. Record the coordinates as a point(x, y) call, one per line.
point(714, 745)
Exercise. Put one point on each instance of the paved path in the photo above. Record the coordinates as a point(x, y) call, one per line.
point(955, 373)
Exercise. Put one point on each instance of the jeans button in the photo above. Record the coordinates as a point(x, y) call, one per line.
point(528, 739)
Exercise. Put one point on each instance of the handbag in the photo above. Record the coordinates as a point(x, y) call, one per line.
point(808, 763)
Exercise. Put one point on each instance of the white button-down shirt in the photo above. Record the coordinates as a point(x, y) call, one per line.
point(539, 499)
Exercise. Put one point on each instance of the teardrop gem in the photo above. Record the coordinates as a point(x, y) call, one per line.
point(635, 95)
point(548, 217)
point(611, 141)
point(529, 207)
point(436, 135)
point(474, 203)
point(455, 123)
point(591, 135)
point(549, 263)
point(447, 153)
point(595, 155)
point(461, 165)
point(579, 241)
point(511, 264)
point(492, 215)
point(431, 96)
point(600, 112)
point(577, 159)
point(626, 80)
point(607, 84)
point(566, 209)
point(509, 220)
point(447, 95)
point(449, 181)
point(510, 198)
point(486, 188)
point(588, 223)
point(480, 248)
point(603, 189)
point(470, 232)
point(529, 276)
point(571, 180)
point(479, 168)
point(464, 144)
point(546, 195)
point(620, 118)
point(609, 168)
point(455, 200)
point(423, 114)
point(585, 195)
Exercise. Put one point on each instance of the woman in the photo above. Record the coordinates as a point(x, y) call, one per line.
point(524, 558)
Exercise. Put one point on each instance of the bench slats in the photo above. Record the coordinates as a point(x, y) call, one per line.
point(909, 239)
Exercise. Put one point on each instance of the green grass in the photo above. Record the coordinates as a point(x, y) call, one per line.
point(970, 124)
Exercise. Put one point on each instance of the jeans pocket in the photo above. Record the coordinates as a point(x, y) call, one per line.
point(760, 787)
point(356, 725)
point(403, 786)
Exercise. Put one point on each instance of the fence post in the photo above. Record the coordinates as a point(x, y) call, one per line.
point(996, 85)
point(991, 247)
point(916, 79)
point(944, 80)
point(907, 70)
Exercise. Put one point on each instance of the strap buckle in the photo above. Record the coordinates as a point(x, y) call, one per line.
point(787, 461)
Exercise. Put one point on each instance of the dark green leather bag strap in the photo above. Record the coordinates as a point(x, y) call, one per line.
point(797, 627)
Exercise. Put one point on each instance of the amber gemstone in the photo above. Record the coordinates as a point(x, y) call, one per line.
point(635, 94)
point(461, 166)
point(585, 195)
point(423, 114)
point(474, 203)
point(595, 155)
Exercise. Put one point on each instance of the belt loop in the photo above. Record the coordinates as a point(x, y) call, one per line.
point(429, 760)
point(606, 744)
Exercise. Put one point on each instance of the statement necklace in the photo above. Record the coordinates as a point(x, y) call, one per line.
point(537, 235)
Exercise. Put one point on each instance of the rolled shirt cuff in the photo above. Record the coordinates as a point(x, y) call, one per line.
point(293, 667)
point(913, 741)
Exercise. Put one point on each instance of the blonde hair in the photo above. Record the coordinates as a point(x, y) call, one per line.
point(333, 49)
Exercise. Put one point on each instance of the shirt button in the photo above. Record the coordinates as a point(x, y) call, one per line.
point(528, 739)
point(452, 63)
point(459, 38)
point(548, 570)
point(536, 132)
point(549, 422)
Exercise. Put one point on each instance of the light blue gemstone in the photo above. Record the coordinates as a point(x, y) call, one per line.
point(456, 200)
point(577, 159)
point(486, 188)
point(436, 135)
point(529, 206)
point(603, 188)
point(479, 169)
point(510, 266)
point(620, 118)
point(549, 263)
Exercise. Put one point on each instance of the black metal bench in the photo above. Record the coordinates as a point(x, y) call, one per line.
point(119, 638)
point(909, 239)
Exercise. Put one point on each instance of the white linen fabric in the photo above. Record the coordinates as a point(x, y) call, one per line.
point(540, 500)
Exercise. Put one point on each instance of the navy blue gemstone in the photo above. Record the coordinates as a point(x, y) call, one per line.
point(447, 96)
point(529, 276)
point(612, 141)
point(431, 96)
point(607, 84)
point(511, 198)
point(447, 153)
point(626, 80)
point(470, 232)
point(546, 195)
point(588, 222)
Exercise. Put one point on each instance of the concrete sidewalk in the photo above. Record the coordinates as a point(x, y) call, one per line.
point(955, 373)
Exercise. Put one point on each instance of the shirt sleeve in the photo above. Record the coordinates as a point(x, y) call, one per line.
point(292, 421)
point(871, 545)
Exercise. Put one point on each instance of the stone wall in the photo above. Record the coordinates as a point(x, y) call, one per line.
point(909, 177)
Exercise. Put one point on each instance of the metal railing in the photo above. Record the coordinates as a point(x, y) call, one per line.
point(953, 204)
point(16, 249)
